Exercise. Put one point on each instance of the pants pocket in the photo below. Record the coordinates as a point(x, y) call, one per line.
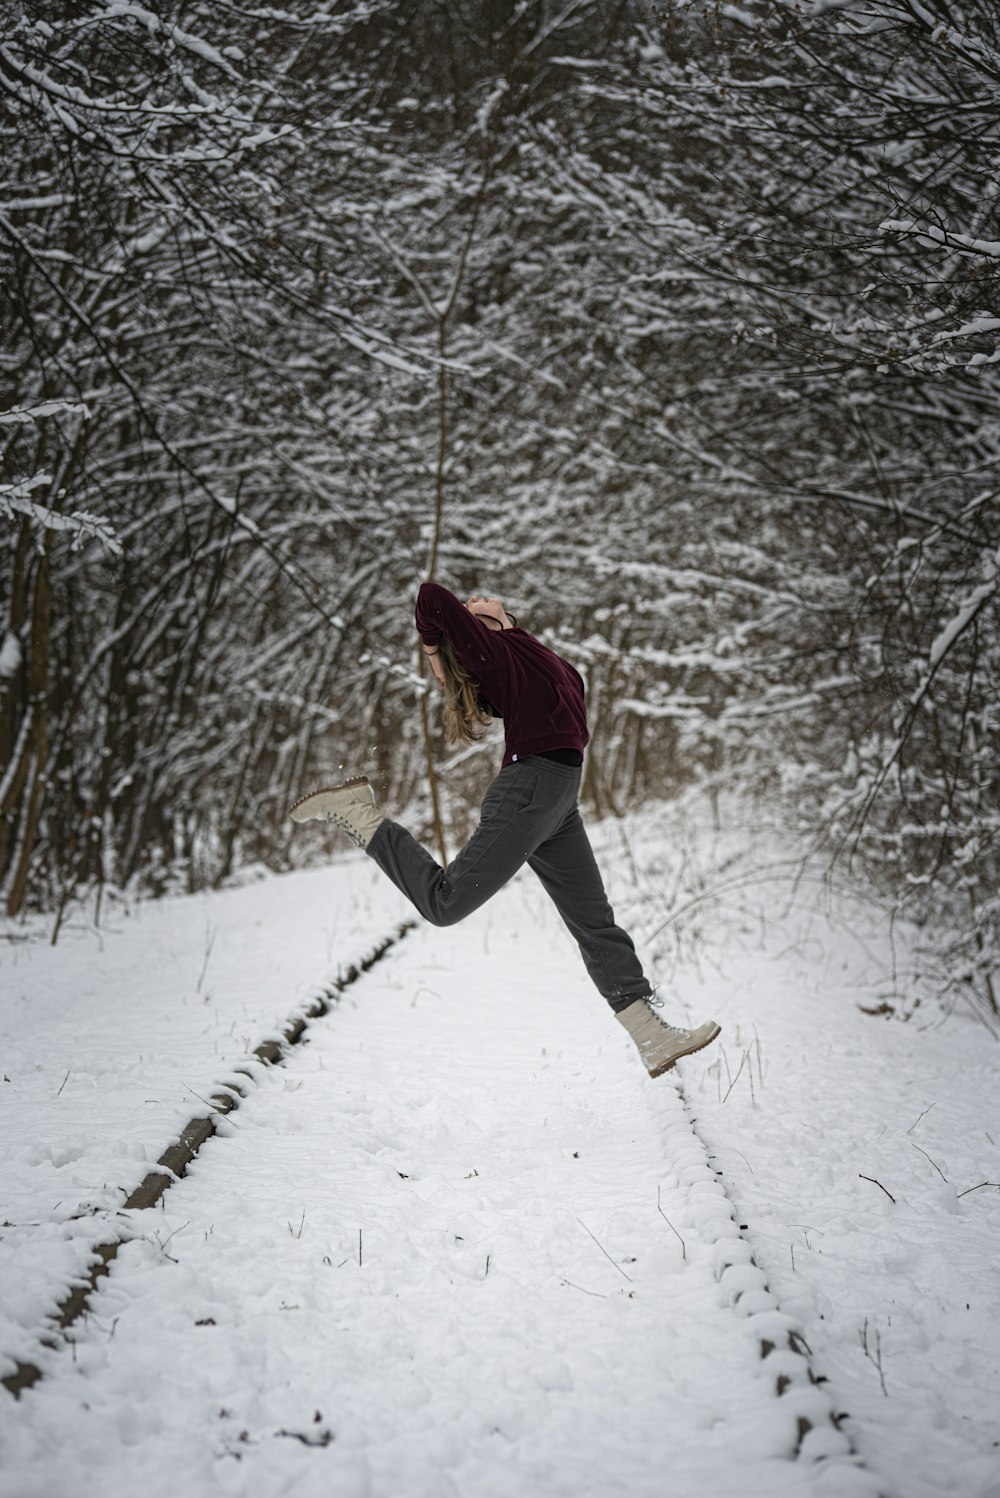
point(514, 792)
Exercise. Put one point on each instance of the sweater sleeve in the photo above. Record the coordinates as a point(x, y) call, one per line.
point(440, 613)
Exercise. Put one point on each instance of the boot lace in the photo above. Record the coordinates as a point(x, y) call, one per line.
point(657, 1003)
point(345, 826)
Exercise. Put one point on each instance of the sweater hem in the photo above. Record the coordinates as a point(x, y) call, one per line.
point(517, 752)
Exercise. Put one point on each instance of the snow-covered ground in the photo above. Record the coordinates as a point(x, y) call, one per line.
point(459, 1243)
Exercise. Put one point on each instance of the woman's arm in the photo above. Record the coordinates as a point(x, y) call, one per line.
point(439, 613)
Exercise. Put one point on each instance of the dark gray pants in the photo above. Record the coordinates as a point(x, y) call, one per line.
point(530, 815)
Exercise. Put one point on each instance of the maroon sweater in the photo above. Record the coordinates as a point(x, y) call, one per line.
point(537, 693)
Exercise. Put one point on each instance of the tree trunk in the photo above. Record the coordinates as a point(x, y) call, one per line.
point(38, 677)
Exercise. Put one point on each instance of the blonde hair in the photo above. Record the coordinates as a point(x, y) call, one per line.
point(465, 718)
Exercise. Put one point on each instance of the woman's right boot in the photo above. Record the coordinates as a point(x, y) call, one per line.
point(661, 1045)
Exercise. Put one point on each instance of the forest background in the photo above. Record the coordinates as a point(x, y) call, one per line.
point(675, 324)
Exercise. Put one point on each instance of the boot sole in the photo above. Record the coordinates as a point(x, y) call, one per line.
point(669, 1065)
point(323, 790)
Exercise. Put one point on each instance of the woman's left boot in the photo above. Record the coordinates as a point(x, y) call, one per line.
point(661, 1045)
point(350, 806)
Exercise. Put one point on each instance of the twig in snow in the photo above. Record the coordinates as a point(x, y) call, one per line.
point(980, 1187)
point(209, 944)
point(63, 1083)
point(874, 1358)
point(743, 1157)
point(878, 1184)
point(806, 1229)
point(595, 1293)
point(163, 1246)
point(301, 1226)
point(321, 1438)
point(737, 1076)
point(360, 1250)
point(934, 1163)
point(488, 1257)
point(603, 1251)
point(666, 1219)
point(919, 1116)
point(214, 1106)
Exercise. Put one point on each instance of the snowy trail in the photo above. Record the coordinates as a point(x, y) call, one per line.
point(430, 1259)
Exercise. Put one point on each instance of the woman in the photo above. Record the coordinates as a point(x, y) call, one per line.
point(487, 667)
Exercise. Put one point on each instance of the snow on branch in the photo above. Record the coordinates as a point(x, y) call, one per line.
point(967, 611)
point(567, 14)
point(486, 110)
point(942, 645)
point(11, 656)
point(932, 236)
point(582, 63)
point(24, 415)
point(822, 7)
point(15, 499)
point(741, 17)
point(173, 35)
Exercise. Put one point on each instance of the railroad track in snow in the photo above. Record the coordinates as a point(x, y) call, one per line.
point(783, 1347)
point(174, 1161)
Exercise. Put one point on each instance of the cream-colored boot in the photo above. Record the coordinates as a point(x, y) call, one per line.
point(660, 1045)
point(350, 806)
